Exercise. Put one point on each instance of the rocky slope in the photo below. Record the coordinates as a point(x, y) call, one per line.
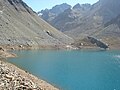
point(91, 20)
point(21, 27)
point(111, 32)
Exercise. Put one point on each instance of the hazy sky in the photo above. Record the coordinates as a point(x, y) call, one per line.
point(38, 5)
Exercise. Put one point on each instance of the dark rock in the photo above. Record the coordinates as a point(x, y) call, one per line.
point(98, 42)
point(77, 6)
point(2, 49)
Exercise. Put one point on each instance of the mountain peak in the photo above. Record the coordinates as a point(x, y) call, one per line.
point(82, 6)
point(60, 8)
point(77, 6)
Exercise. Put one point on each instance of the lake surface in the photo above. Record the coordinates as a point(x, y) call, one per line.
point(73, 70)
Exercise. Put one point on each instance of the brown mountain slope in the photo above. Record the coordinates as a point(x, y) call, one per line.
point(20, 26)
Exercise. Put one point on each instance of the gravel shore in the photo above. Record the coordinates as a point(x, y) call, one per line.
point(13, 78)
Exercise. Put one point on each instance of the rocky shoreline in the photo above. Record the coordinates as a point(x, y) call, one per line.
point(13, 78)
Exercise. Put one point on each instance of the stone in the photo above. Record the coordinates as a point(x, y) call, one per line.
point(12, 78)
point(99, 43)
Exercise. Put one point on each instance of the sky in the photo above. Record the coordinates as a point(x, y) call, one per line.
point(38, 5)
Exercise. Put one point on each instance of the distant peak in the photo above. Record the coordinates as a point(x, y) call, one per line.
point(61, 5)
point(77, 6)
point(57, 9)
point(82, 6)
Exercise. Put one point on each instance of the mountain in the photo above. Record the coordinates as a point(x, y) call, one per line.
point(85, 20)
point(111, 32)
point(82, 18)
point(69, 18)
point(21, 27)
point(50, 14)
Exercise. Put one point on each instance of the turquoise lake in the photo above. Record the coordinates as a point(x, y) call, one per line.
point(73, 70)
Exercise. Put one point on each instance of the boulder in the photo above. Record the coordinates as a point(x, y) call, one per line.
point(99, 43)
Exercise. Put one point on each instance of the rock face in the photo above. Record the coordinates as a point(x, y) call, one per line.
point(98, 42)
point(21, 26)
point(49, 14)
point(63, 21)
point(68, 20)
point(12, 78)
point(111, 32)
point(86, 17)
point(91, 20)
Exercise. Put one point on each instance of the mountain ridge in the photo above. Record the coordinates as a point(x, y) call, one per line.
point(79, 23)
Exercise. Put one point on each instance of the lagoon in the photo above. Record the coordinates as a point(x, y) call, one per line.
point(73, 70)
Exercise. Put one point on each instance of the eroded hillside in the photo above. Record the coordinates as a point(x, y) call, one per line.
point(20, 26)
